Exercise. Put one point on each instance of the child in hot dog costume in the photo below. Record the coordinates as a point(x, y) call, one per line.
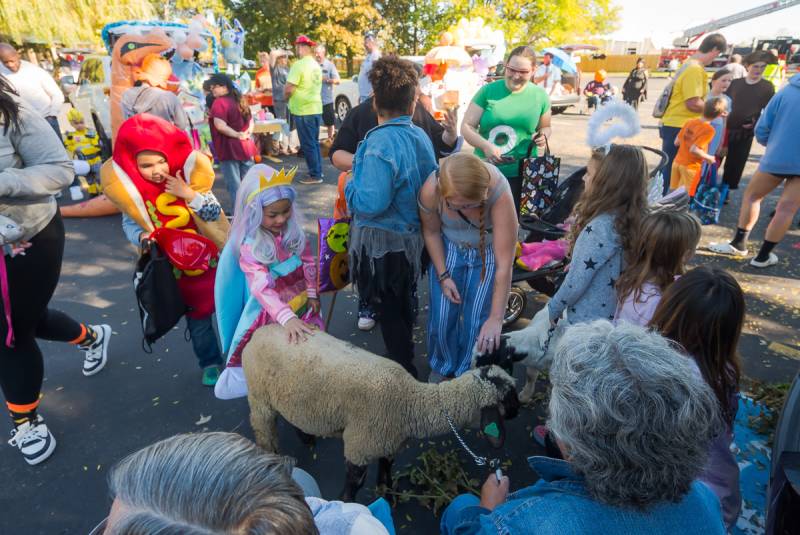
point(163, 189)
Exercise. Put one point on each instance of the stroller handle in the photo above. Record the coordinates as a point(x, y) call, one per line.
point(661, 164)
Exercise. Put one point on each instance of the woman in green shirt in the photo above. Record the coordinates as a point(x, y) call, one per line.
point(504, 116)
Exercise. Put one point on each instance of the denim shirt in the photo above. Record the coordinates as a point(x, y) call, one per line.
point(389, 168)
point(559, 504)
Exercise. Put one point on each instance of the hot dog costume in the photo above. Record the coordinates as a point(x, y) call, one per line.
point(153, 208)
point(250, 294)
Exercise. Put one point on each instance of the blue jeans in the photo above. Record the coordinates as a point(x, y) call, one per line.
point(204, 341)
point(53, 122)
point(668, 135)
point(308, 132)
point(453, 329)
point(233, 171)
point(460, 502)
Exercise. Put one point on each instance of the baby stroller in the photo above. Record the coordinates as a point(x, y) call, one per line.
point(544, 226)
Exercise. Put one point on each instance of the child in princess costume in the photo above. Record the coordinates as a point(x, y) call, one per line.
point(163, 189)
point(266, 273)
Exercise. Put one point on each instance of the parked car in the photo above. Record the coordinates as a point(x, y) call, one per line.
point(345, 97)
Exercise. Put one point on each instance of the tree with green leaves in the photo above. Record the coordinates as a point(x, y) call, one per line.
point(340, 26)
point(67, 22)
point(541, 22)
point(413, 25)
point(186, 9)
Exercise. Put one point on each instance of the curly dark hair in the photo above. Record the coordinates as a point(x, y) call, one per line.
point(394, 85)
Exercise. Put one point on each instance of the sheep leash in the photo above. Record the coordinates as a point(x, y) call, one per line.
point(479, 460)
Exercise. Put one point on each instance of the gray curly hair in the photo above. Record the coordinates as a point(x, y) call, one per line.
point(204, 483)
point(634, 416)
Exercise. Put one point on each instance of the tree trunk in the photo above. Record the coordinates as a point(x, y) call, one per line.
point(349, 57)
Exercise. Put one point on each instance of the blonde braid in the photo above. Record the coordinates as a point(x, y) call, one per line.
point(482, 241)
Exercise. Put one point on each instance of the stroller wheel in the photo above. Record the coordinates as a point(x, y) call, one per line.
point(517, 299)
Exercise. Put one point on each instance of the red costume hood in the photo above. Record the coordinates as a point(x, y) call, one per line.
point(149, 132)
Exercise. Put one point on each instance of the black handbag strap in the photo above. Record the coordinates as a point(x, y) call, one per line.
point(532, 144)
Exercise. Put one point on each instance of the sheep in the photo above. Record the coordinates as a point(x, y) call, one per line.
point(328, 387)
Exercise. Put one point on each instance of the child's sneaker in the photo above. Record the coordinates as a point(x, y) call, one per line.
point(366, 319)
point(210, 375)
point(97, 353)
point(34, 440)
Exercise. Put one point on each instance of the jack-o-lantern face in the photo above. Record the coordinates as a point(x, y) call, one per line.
point(339, 270)
point(337, 237)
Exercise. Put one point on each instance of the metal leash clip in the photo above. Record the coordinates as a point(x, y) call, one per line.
point(479, 460)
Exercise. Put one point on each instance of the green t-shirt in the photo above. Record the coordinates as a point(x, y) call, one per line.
point(510, 119)
point(306, 76)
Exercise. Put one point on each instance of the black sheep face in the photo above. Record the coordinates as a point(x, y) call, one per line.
point(493, 417)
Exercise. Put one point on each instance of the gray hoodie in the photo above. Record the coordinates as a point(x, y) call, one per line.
point(34, 166)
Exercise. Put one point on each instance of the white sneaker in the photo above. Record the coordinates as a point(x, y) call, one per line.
point(771, 261)
point(366, 323)
point(726, 248)
point(34, 440)
point(97, 353)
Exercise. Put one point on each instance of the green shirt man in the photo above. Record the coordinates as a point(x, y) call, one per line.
point(306, 76)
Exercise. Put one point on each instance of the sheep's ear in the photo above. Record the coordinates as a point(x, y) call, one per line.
point(504, 356)
point(493, 426)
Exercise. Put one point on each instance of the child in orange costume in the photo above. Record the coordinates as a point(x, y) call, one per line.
point(692, 142)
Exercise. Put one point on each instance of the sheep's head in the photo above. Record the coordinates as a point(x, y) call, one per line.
point(505, 406)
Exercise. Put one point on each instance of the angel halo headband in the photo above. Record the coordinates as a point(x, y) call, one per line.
point(602, 128)
point(281, 178)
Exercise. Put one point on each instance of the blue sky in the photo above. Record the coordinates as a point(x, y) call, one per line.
point(640, 19)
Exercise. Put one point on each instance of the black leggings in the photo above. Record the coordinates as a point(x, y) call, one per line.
point(32, 279)
point(739, 145)
point(391, 291)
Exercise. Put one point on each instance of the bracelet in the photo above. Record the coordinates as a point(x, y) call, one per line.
point(444, 276)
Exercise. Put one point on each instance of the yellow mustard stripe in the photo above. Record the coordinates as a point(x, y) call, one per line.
point(298, 301)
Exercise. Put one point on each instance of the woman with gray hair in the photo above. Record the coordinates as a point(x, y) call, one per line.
point(633, 421)
point(206, 483)
point(203, 483)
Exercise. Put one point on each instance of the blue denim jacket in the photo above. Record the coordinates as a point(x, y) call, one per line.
point(558, 504)
point(389, 168)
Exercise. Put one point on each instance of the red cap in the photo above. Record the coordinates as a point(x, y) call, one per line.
point(303, 40)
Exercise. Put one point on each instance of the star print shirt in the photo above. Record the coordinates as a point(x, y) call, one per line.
point(588, 292)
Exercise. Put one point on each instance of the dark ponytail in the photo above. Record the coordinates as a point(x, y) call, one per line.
point(233, 93)
point(9, 107)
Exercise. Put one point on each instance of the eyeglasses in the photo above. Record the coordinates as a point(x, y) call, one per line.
point(512, 70)
point(457, 207)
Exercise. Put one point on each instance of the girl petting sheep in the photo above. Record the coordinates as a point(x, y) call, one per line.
point(601, 239)
point(470, 229)
point(266, 273)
